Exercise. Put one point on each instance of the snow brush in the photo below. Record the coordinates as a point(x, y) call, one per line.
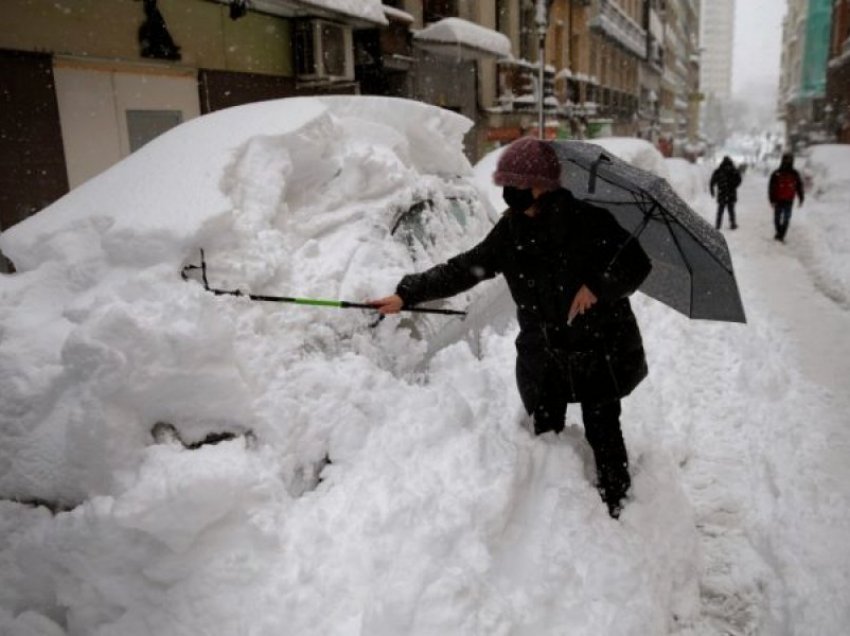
point(318, 302)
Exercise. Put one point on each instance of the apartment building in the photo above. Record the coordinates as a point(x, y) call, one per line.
point(717, 35)
point(837, 108)
point(651, 71)
point(802, 88)
point(618, 48)
point(611, 67)
point(680, 94)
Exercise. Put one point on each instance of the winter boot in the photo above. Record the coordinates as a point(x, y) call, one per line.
point(613, 485)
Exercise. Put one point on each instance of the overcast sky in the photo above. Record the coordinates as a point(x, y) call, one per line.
point(758, 47)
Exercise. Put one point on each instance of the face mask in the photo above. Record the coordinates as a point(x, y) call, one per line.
point(517, 199)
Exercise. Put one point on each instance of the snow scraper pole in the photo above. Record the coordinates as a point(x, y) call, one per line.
point(318, 302)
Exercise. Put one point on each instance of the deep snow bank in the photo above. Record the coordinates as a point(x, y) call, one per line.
point(100, 337)
point(819, 228)
point(357, 497)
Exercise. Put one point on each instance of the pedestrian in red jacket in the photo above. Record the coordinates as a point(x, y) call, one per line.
point(785, 184)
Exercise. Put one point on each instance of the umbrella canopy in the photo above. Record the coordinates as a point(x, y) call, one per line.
point(691, 266)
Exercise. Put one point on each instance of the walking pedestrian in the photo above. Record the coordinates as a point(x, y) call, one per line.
point(570, 268)
point(726, 179)
point(785, 184)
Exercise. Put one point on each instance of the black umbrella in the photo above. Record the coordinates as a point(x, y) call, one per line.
point(691, 267)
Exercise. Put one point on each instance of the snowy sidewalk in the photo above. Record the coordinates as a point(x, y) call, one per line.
point(778, 285)
point(764, 439)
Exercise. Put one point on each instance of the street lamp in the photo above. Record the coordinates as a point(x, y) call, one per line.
point(541, 19)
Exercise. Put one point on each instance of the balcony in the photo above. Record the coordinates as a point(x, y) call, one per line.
point(617, 26)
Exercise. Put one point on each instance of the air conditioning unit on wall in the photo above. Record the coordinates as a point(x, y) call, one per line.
point(324, 50)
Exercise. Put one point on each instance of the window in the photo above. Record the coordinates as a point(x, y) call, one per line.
point(145, 125)
point(426, 223)
point(323, 50)
point(502, 16)
point(435, 10)
point(333, 50)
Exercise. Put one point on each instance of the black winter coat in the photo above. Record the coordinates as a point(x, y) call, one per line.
point(545, 260)
point(726, 179)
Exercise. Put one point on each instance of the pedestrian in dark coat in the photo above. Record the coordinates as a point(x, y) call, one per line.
point(785, 184)
point(570, 268)
point(726, 179)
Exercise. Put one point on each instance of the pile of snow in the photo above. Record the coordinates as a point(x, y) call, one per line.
point(827, 165)
point(483, 175)
point(359, 494)
point(638, 152)
point(100, 332)
point(463, 32)
point(351, 493)
point(820, 225)
point(690, 180)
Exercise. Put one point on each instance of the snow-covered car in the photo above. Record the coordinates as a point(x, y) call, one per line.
point(330, 198)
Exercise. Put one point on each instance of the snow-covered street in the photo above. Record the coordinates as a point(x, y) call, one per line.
point(763, 414)
point(361, 494)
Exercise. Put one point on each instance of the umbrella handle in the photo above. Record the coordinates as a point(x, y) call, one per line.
point(594, 167)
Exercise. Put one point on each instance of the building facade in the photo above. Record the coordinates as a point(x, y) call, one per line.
point(717, 39)
point(680, 95)
point(87, 83)
point(837, 107)
point(612, 67)
point(717, 35)
point(806, 48)
point(651, 72)
point(617, 50)
point(120, 72)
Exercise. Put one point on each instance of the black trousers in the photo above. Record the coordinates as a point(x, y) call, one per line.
point(782, 218)
point(603, 433)
point(729, 205)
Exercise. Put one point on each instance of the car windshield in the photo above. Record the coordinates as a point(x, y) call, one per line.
point(426, 222)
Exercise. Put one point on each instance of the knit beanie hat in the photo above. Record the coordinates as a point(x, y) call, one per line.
point(528, 163)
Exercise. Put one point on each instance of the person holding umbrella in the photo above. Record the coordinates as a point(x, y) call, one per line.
point(726, 179)
point(570, 268)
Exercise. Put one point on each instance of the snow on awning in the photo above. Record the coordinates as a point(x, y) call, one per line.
point(369, 10)
point(464, 39)
point(398, 14)
point(358, 12)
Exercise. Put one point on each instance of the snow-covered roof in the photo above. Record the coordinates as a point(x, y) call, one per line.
point(464, 33)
